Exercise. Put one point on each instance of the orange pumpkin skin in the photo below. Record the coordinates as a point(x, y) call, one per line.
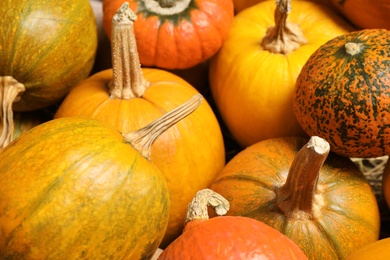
point(190, 154)
point(378, 250)
point(178, 41)
point(229, 237)
point(72, 188)
point(48, 46)
point(345, 98)
point(365, 14)
point(347, 214)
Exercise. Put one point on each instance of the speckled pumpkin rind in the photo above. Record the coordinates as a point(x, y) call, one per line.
point(345, 99)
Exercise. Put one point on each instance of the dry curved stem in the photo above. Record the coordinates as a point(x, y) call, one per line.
point(197, 209)
point(143, 138)
point(128, 79)
point(297, 198)
point(10, 91)
point(284, 37)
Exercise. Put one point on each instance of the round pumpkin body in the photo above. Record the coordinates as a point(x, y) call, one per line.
point(345, 214)
point(48, 46)
point(229, 237)
point(342, 94)
point(190, 154)
point(365, 14)
point(72, 188)
point(179, 36)
point(378, 250)
point(253, 87)
point(240, 5)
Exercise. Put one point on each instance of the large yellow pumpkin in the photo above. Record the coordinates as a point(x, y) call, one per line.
point(190, 154)
point(252, 77)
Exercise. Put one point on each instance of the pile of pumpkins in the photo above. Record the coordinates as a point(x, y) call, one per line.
point(116, 115)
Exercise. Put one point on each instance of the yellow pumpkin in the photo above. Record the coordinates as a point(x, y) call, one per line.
point(128, 97)
point(240, 5)
point(378, 250)
point(252, 78)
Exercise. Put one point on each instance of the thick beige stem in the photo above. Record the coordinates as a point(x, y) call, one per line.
point(197, 209)
point(284, 37)
point(10, 91)
point(143, 138)
point(353, 48)
point(297, 197)
point(128, 79)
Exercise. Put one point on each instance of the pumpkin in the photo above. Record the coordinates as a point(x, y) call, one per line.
point(365, 14)
point(342, 94)
point(240, 5)
point(45, 48)
point(128, 97)
point(227, 237)
point(318, 199)
point(76, 187)
point(378, 250)
point(175, 34)
point(252, 77)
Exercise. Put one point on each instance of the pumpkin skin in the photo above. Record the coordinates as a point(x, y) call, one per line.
point(240, 5)
point(227, 237)
point(347, 214)
point(190, 154)
point(48, 46)
point(253, 87)
point(365, 14)
point(73, 188)
point(378, 249)
point(344, 98)
point(179, 40)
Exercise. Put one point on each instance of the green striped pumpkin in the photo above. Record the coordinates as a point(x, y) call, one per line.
point(342, 94)
point(48, 46)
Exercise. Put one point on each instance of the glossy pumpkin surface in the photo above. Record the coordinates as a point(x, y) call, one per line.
point(73, 188)
point(342, 94)
point(176, 37)
point(190, 154)
point(365, 14)
point(48, 46)
point(343, 213)
point(227, 237)
point(253, 87)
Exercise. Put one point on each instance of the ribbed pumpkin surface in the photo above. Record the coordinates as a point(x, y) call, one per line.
point(72, 188)
point(46, 45)
point(345, 98)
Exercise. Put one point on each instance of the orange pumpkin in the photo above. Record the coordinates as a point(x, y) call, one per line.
point(176, 34)
point(365, 14)
point(342, 94)
point(76, 187)
point(128, 97)
point(227, 237)
point(45, 47)
point(252, 77)
point(321, 201)
point(378, 250)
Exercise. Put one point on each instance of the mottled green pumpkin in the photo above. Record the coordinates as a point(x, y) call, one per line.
point(343, 93)
point(73, 188)
point(47, 46)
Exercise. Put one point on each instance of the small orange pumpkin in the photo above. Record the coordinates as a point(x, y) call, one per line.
point(321, 201)
point(176, 34)
point(128, 97)
point(227, 237)
point(342, 94)
point(378, 250)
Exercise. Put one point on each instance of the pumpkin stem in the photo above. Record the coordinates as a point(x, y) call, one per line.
point(353, 48)
point(128, 79)
point(166, 7)
point(197, 208)
point(143, 138)
point(284, 37)
point(297, 198)
point(10, 91)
